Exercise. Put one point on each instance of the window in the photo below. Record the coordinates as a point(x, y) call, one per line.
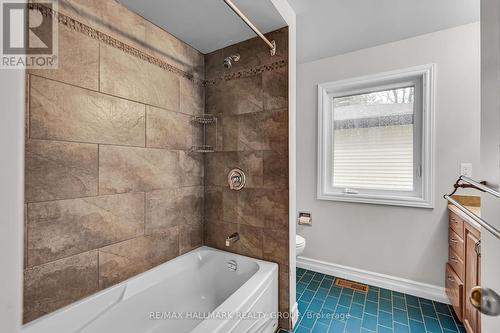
point(376, 139)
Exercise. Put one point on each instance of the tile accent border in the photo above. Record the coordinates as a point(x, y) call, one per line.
point(108, 40)
point(410, 287)
point(113, 42)
point(249, 72)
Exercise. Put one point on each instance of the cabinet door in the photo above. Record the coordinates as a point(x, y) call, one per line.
point(472, 262)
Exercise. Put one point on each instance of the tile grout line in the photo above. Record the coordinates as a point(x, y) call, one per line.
point(187, 151)
point(99, 67)
point(323, 302)
point(336, 305)
point(145, 126)
point(112, 194)
point(365, 313)
point(98, 170)
point(315, 292)
point(28, 134)
point(407, 314)
point(378, 309)
point(437, 315)
point(145, 213)
point(422, 314)
point(25, 247)
point(393, 324)
point(86, 251)
point(407, 307)
point(98, 270)
point(27, 122)
point(112, 95)
point(330, 323)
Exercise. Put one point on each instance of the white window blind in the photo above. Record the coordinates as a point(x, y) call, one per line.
point(373, 141)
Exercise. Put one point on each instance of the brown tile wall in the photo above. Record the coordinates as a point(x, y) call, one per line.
point(111, 189)
point(252, 134)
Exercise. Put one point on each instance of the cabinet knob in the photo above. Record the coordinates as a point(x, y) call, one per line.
point(485, 300)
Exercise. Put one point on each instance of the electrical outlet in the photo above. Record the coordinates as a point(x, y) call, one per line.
point(466, 169)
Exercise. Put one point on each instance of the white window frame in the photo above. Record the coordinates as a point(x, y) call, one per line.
point(423, 196)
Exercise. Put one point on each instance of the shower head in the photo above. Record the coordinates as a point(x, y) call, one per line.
point(228, 62)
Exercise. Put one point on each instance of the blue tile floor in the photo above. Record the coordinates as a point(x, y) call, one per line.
point(327, 308)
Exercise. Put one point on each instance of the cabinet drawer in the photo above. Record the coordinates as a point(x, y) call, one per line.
point(455, 291)
point(456, 243)
point(456, 263)
point(456, 224)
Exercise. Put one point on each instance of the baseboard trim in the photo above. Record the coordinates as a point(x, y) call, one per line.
point(295, 315)
point(410, 287)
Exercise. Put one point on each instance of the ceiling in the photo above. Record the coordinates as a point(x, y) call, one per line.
point(325, 28)
point(331, 27)
point(208, 25)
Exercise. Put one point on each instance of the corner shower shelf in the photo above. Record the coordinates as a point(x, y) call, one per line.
point(202, 149)
point(205, 120)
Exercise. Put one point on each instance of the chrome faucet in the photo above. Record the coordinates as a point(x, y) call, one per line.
point(232, 239)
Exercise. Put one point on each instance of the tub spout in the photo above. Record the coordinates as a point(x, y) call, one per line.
point(232, 239)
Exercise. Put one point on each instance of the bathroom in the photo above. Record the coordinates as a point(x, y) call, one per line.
point(250, 166)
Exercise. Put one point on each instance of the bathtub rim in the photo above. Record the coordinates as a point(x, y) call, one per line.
point(120, 291)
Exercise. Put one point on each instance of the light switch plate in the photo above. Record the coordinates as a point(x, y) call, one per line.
point(466, 169)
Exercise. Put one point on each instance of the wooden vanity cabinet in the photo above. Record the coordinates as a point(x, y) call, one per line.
point(472, 316)
point(463, 268)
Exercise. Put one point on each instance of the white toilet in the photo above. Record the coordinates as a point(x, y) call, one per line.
point(300, 245)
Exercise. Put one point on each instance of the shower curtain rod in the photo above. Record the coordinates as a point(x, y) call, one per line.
point(272, 44)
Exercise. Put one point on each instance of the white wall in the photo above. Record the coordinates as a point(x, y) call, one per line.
point(490, 142)
point(409, 243)
point(11, 198)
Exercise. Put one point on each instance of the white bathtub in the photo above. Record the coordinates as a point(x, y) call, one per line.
point(197, 291)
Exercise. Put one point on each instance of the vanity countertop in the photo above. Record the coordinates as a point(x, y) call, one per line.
point(472, 203)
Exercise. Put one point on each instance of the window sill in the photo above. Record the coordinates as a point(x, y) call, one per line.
point(378, 200)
